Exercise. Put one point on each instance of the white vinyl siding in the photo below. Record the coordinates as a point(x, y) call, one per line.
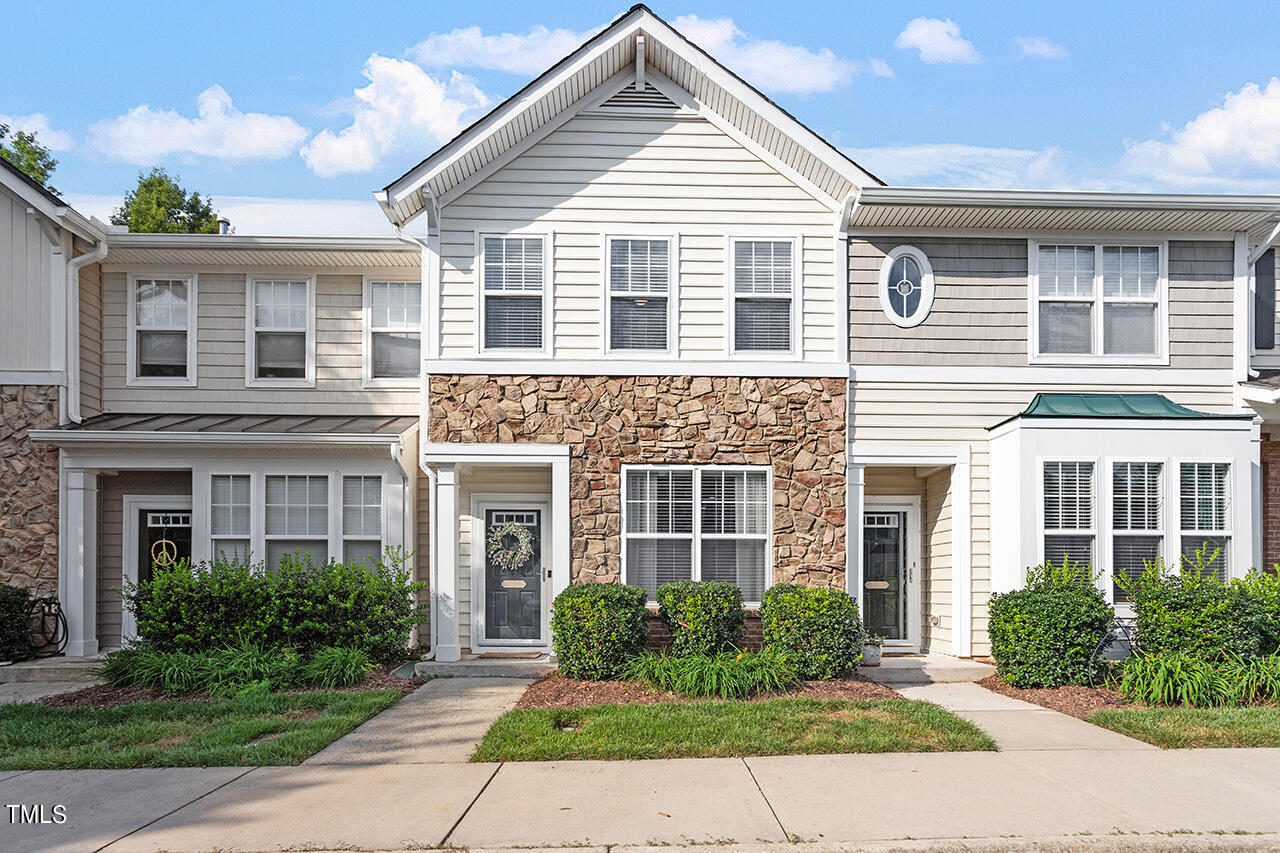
point(640, 294)
point(600, 175)
point(762, 279)
point(1205, 512)
point(513, 281)
point(162, 314)
point(281, 332)
point(393, 333)
point(26, 269)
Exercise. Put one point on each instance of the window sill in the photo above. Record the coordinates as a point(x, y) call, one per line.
point(160, 382)
point(391, 384)
point(280, 383)
point(1100, 360)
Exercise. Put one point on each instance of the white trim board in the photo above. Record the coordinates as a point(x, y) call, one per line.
point(628, 367)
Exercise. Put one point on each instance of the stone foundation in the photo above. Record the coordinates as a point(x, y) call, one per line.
point(795, 425)
point(28, 488)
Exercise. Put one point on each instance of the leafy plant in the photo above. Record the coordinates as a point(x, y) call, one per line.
point(818, 630)
point(25, 151)
point(1174, 678)
point(15, 636)
point(726, 675)
point(1044, 634)
point(159, 205)
point(596, 627)
point(333, 666)
point(1263, 589)
point(704, 617)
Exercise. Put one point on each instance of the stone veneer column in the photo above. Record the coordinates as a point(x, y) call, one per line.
point(28, 488)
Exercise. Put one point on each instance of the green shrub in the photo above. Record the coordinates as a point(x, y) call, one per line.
point(596, 627)
point(1263, 589)
point(333, 666)
point(1192, 612)
point(1044, 634)
point(704, 617)
point(15, 633)
point(728, 675)
point(302, 606)
point(816, 629)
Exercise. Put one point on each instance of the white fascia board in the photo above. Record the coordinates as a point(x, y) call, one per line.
point(232, 241)
point(85, 437)
point(1082, 375)
point(618, 367)
point(62, 215)
point(473, 453)
point(1255, 394)
point(1140, 424)
point(937, 196)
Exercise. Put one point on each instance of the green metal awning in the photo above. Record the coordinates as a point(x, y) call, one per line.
point(1115, 406)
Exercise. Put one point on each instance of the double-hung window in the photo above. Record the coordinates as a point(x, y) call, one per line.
point(1098, 301)
point(1068, 519)
point(763, 274)
point(513, 279)
point(393, 331)
point(639, 290)
point(1137, 518)
point(229, 520)
point(297, 517)
point(162, 340)
point(697, 523)
point(361, 519)
point(1205, 512)
point(281, 343)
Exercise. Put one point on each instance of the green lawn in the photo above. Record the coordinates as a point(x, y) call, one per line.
point(1184, 728)
point(252, 730)
point(716, 729)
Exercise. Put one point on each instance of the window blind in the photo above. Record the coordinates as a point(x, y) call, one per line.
point(1137, 519)
point(513, 265)
point(762, 286)
point(762, 324)
point(1205, 513)
point(513, 322)
point(1068, 511)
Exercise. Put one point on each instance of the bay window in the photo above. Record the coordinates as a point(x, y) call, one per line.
point(1068, 520)
point(1205, 512)
point(513, 278)
point(1137, 519)
point(1098, 302)
point(697, 523)
point(162, 320)
point(763, 274)
point(639, 289)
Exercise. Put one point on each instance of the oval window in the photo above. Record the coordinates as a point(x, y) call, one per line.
point(906, 286)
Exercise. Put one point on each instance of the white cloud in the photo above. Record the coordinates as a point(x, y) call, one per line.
point(880, 68)
point(1234, 146)
point(772, 65)
point(258, 216)
point(938, 41)
point(956, 165)
point(1040, 47)
point(518, 53)
point(403, 109)
point(143, 135)
point(38, 123)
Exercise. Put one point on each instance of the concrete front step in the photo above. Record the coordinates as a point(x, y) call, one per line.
point(490, 668)
point(926, 669)
point(51, 669)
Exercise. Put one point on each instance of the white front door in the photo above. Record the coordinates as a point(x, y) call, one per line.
point(891, 569)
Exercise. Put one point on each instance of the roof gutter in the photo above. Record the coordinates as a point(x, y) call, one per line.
point(73, 326)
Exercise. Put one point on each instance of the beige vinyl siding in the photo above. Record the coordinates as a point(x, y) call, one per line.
point(516, 481)
point(614, 175)
point(422, 553)
point(91, 340)
point(111, 492)
point(979, 314)
point(935, 594)
point(939, 413)
point(220, 354)
point(26, 282)
point(891, 480)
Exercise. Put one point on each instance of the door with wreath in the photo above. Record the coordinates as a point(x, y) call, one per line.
point(513, 574)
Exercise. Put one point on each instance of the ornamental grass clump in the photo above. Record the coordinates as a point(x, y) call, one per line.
point(724, 675)
point(596, 628)
point(1044, 634)
point(704, 617)
point(816, 629)
point(1181, 679)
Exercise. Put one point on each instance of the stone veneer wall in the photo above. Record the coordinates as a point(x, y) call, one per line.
point(28, 488)
point(795, 425)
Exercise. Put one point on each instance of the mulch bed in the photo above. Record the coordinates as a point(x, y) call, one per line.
point(1073, 699)
point(106, 696)
point(557, 691)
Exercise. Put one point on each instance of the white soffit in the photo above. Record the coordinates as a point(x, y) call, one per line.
point(572, 81)
point(264, 252)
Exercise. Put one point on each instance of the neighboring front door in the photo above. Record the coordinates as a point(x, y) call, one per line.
point(164, 539)
point(884, 574)
point(513, 596)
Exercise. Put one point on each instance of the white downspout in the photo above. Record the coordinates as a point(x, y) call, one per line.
point(73, 326)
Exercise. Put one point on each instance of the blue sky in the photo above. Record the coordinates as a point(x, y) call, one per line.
point(290, 115)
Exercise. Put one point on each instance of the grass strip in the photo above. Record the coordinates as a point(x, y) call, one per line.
point(1189, 728)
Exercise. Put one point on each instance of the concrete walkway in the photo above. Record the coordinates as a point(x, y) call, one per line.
point(33, 691)
point(1018, 725)
point(440, 722)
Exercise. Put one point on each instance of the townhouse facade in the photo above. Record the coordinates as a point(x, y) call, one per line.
point(645, 314)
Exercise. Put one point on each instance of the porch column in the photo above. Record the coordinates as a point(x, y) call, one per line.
point(78, 561)
point(445, 541)
point(855, 500)
point(560, 513)
point(961, 557)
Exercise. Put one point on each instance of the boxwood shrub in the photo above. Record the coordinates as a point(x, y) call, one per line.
point(15, 635)
point(816, 630)
point(300, 606)
point(704, 617)
point(1044, 634)
point(1263, 589)
point(596, 628)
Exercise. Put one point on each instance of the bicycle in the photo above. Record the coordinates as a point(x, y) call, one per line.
point(47, 625)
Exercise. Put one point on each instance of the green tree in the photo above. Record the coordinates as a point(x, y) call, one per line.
point(25, 151)
point(158, 205)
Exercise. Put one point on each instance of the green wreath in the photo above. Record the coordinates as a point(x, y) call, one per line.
point(516, 555)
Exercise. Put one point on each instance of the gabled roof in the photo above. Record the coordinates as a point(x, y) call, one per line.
point(46, 203)
point(1126, 406)
point(568, 86)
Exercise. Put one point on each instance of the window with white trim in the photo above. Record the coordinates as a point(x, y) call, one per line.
point(1098, 300)
point(639, 288)
point(697, 523)
point(229, 521)
point(393, 313)
point(1205, 512)
point(906, 286)
point(282, 337)
point(513, 270)
point(162, 312)
point(1137, 519)
point(361, 519)
point(1069, 531)
point(297, 518)
point(763, 287)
